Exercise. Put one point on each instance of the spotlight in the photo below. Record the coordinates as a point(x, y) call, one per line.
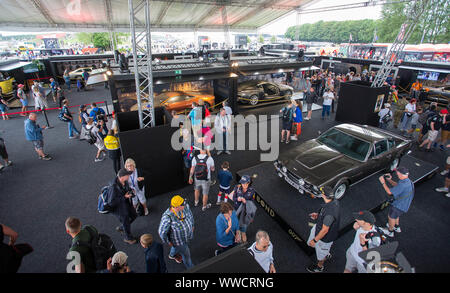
point(235, 64)
point(109, 72)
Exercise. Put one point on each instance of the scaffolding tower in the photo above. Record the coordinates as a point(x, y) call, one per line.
point(415, 11)
point(142, 60)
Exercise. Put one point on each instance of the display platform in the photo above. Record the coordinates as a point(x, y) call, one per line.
point(235, 260)
point(291, 209)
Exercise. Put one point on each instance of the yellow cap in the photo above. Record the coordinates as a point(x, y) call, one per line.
point(176, 201)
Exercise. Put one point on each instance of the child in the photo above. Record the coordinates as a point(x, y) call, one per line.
point(79, 84)
point(224, 176)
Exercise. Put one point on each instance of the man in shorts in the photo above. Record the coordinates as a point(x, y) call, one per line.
point(95, 131)
point(325, 231)
point(201, 168)
point(33, 133)
point(4, 155)
point(446, 187)
point(436, 123)
point(403, 194)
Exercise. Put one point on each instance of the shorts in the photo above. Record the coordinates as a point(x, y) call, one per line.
point(287, 125)
point(352, 264)
point(308, 107)
point(432, 135)
point(395, 213)
point(445, 135)
point(243, 228)
point(3, 108)
point(322, 248)
point(139, 196)
point(203, 185)
point(99, 144)
point(38, 144)
point(24, 102)
point(225, 190)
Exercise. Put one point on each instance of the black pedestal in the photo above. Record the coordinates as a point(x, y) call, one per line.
point(360, 103)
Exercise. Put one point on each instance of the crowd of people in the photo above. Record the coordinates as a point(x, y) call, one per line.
point(125, 198)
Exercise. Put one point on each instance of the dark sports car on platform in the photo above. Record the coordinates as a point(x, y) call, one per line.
point(256, 91)
point(340, 157)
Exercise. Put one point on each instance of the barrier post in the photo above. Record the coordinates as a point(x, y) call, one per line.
point(46, 119)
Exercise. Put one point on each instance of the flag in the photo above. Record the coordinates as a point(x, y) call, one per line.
point(375, 37)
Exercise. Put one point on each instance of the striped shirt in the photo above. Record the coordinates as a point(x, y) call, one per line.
point(177, 230)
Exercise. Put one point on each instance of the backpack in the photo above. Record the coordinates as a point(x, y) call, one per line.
point(423, 117)
point(101, 245)
point(201, 168)
point(104, 200)
point(386, 118)
point(91, 137)
point(430, 118)
point(62, 117)
point(286, 114)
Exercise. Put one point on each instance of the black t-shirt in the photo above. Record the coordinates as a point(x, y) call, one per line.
point(437, 122)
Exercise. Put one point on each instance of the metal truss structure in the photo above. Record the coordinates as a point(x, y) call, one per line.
point(415, 12)
point(142, 56)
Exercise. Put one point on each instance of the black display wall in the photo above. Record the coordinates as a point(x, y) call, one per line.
point(151, 149)
point(357, 101)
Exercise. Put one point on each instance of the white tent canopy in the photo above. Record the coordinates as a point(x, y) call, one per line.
point(175, 15)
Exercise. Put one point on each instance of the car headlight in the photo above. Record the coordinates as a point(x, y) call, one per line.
point(301, 181)
point(284, 169)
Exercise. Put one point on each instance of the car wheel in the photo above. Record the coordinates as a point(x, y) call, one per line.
point(340, 190)
point(254, 100)
point(394, 164)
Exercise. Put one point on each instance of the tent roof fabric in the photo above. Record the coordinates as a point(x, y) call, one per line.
point(171, 15)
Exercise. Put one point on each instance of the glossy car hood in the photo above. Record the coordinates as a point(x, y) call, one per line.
point(317, 163)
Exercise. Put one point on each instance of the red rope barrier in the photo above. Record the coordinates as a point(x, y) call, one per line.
point(49, 109)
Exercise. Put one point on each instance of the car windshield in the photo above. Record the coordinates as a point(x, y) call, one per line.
point(345, 144)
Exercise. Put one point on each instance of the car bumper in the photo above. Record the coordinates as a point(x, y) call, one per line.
point(295, 181)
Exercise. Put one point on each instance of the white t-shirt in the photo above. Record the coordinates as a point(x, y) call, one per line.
point(356, 247)
point(410, 107)
point(209, 163)
point(264, 258)
point(328, 98)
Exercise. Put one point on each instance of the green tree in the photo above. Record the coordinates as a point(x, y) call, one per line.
point(261, 39)
point(273, 39)
point(101, 40)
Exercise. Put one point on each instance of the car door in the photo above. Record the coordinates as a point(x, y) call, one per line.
point(381, 156)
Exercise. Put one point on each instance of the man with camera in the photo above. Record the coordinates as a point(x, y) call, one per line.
point(326, 229)
point(98, 114)
point(402, 193)
point(366, 237)
point(121, 194)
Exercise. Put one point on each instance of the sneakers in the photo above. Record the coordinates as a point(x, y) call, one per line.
point(196, 204)
point(97, 160)
point(45, 158)
point(287, 141)
point(9, 163)
point(282, 140)
point(219, 152)
point(228, 152)
point(178, 258)
point(314, 268)
point(396, 229)
point(146, 212)
point(293, 138)
point(2, 167)
point(131, 241)
point(447, 194)
point(218, 202)
point(387, 232)
point(216, 252)
point(442, 189)
point(441, 147)
point(119, 229)
point(445, 172)
point(206, 207)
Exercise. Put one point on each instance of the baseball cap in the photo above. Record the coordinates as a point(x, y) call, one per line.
point(327, 191)
point(387, 105)
point(365, 216)
point(402, 170)
point(124, 172)
point(20, 85)
point(177, 201)
point(119, 258)
point(244, 179)
point(444, 111)
point(82, 106)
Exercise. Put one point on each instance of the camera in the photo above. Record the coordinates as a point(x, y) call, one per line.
point(386, 259)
